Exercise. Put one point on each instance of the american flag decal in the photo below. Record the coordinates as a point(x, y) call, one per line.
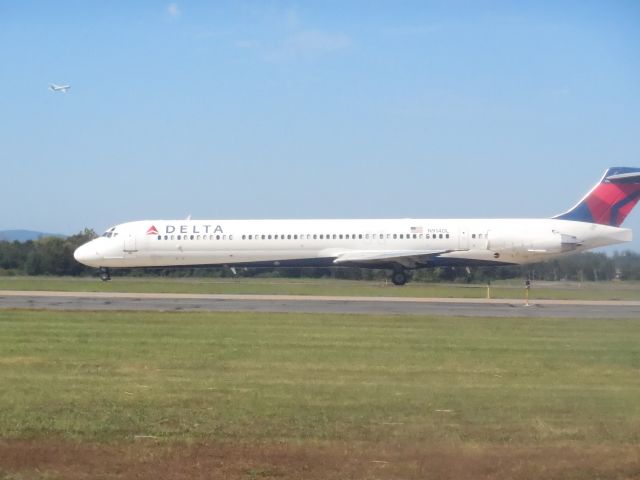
point(416, 229)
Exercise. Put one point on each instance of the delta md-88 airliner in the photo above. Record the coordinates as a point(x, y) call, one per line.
point(399, 245)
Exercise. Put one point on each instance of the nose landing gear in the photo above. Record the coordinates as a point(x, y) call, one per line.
point(105, 276)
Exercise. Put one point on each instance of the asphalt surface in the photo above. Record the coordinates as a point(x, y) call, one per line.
point(312, 304)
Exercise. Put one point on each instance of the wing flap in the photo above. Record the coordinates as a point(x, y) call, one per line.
point(406, 258)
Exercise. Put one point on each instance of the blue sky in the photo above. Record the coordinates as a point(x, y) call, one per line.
point(312, 109)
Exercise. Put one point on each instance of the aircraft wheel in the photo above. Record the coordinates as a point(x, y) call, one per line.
point(399, 278)
point(105, 276)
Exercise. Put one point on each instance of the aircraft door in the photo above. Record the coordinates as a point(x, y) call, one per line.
point(130, 243)
point(463, 239)
point(479, 240)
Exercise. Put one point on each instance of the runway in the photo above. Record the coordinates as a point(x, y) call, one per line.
point(318, 304)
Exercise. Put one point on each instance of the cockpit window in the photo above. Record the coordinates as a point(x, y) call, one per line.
point(110, 233)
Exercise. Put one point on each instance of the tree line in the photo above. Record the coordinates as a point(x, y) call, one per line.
point(54, 256)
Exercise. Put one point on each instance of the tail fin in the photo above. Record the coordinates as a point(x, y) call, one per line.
point(610, 201)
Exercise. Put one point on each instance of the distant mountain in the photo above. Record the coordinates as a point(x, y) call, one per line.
point(24, 235)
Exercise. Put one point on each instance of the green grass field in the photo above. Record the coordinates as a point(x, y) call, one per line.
point(345, 389)
point(511, 289)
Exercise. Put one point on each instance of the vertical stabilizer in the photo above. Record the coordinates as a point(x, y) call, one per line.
point(610, 201)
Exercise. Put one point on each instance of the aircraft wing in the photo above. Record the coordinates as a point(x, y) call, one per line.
point(406, 258)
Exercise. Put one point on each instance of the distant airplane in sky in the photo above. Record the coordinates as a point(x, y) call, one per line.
point(59, 88)
point(399, 245)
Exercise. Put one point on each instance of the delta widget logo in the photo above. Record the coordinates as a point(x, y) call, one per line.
point(152, 230)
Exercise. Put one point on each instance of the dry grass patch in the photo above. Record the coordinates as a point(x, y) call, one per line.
point(51, 459)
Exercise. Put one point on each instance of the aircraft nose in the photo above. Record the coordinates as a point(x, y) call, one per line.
point(86, 255)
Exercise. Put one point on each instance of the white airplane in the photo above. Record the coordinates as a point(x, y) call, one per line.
point(395, 244)
point(59, 88)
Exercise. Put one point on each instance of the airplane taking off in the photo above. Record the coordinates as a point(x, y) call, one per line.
point(59, 88)
point(395, 244)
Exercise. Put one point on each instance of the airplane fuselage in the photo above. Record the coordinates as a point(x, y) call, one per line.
point(415, 243)
point(396, 244)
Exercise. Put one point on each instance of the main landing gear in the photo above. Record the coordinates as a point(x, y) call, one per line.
point(105, 276)
point(399, 277)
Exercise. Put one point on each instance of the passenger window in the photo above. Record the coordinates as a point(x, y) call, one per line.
point(315, 236)
point(440, 235)
point(217, 237)
point(288, 237)
point(191, 237)
point(166, 237)
point(447, 235)
point(179, 237)
point(395, 236)
point(321, 236)
point(295, 237)
point(159, 237)
point(171, 237)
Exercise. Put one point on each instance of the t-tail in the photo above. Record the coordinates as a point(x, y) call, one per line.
point(610, 201)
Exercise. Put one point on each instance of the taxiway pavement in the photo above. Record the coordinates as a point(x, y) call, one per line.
point(318, 304)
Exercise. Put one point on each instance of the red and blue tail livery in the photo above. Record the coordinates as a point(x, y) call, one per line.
point(610, 201)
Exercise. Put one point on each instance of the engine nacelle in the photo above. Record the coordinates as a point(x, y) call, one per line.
point(543, 241)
